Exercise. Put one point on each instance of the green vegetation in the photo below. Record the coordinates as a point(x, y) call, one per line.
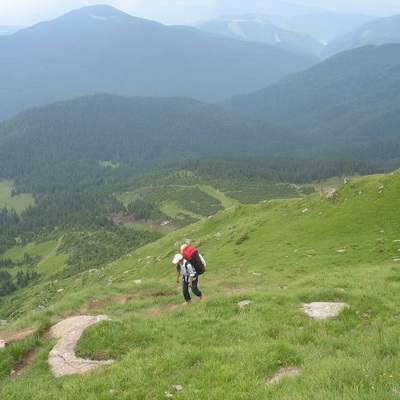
point(277, 254)
point(45, 150)
point(225, 201)
point(98, 193)
point(10, 200)
point(188, 190)
point(75, 164)
point(347, 105)
point(89, 250)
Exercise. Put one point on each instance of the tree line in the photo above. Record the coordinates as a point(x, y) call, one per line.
point(9, 285)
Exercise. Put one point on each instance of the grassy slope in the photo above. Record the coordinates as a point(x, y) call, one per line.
point(19, 202)
point(226, 201)
point(278, 254)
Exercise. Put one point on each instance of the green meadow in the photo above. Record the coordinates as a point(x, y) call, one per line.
point(277, 255)
point(19, 202)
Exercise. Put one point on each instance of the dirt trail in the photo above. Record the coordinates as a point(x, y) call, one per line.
point(16, 334)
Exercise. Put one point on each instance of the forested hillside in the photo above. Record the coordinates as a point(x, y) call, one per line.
point(347, 105)
point(274, 169)
point(73, 156)
point(63, 145)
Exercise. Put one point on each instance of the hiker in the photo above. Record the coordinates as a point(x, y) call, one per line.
point(191, 254)
point(189, 278)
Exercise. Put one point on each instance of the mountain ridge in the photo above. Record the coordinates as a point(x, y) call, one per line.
point(377, 32)
point(77, 54)
point(334, 101)
point(309, 32)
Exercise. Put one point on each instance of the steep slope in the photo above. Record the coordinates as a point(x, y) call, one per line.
point(376, 32)
point(343, 100)
point(100, 49)
point(276, 256)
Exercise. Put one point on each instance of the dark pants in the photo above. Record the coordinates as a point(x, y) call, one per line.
point(195, 289)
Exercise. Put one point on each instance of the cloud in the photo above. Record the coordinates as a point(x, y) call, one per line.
point(373, 7)
point(28, 12)
point(180, 11)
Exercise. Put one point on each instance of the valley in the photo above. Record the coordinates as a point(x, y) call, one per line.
point(270, 142)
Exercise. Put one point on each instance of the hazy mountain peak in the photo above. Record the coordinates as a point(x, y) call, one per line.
point(98, 11)
point(95, 19)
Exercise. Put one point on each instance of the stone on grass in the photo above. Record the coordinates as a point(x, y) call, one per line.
point(331, 193)
point(244, 303)
point(284, 371)
point(323, 310)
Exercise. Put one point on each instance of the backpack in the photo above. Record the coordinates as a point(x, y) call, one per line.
point(191, 254)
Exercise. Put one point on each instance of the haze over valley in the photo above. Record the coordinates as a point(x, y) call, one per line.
point(265, 133)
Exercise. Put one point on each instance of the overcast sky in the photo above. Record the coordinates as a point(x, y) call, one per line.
point(29, 12)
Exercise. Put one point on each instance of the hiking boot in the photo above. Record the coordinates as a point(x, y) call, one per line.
point(186, 303)
point(202, 297)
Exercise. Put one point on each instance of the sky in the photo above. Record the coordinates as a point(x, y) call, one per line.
point(169, 12)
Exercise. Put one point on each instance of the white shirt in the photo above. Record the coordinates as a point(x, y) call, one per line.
point(187, 270)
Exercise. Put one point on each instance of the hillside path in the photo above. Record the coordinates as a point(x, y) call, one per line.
point(62, 358)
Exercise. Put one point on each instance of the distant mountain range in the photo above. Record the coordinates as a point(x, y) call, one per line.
point(294, 103)
point(326, 26)
point(308, 32)
point(99, 49)
point(260, 28)
point(351, 98)
point(102, 50)
point(376, 32)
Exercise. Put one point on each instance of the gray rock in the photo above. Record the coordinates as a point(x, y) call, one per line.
point(323, 310)
point(244, 303)
point(62, 358)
